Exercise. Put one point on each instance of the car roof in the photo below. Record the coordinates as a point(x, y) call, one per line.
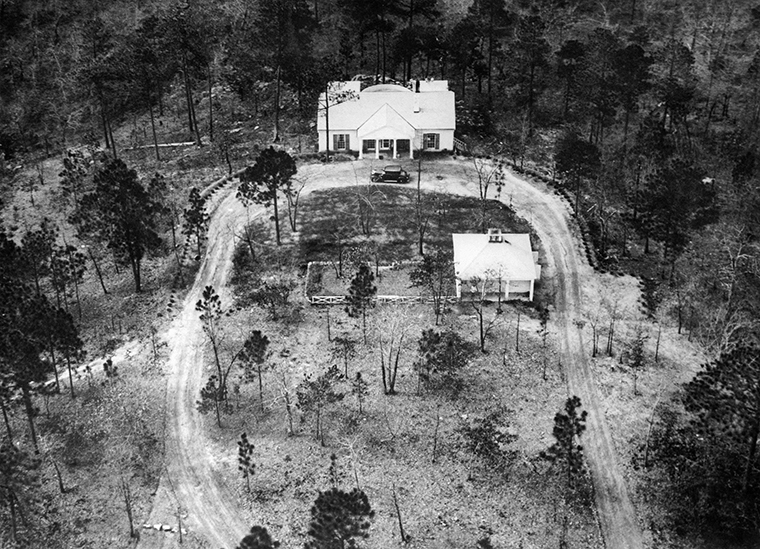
point(393, 168)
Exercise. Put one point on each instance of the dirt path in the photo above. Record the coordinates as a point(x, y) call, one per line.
point(551, 219)
point(208, 501)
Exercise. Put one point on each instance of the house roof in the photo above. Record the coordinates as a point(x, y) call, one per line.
point(475, 256)
point(432, 108)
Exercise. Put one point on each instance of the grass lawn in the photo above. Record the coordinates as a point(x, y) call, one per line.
point(333, 218)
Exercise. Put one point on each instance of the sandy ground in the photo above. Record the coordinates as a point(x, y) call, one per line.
point(206, 501)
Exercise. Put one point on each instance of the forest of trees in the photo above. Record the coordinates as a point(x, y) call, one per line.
point(652, 108)
point(647, 113)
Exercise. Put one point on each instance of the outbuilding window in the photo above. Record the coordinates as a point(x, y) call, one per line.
point(431, 141)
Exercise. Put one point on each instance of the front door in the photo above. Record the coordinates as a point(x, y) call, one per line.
point(386, 147)
point(402, 146)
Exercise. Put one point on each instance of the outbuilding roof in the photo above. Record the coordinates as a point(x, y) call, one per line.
point(480, 256)
point(430, 109)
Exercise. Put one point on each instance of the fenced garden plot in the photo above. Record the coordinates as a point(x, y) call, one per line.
point(324, 287)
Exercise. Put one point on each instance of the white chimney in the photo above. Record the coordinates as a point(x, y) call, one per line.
point(494, 235)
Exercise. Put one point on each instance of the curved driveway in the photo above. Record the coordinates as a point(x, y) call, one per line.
point(210, 503)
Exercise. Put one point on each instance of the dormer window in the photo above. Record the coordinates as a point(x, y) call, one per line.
point(494, 235)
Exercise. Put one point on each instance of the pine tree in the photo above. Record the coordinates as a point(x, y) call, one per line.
point(339, 520)
point(361, 295)
point(434, 273)
point(442, 357)
point(360, 389)
point(314, 395)
point(254, 354)
point(19, 476)
point(258, 538)
point(121, 213)
point(246, 466)
point(725, 400)
point(569, 425)
point(196, 219)
point(261, 182)
point(344, 349)
point(210, 307)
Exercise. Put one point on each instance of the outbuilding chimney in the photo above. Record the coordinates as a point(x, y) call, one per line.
point(494, 235)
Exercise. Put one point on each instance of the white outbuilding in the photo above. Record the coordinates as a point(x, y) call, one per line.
point(495, 263)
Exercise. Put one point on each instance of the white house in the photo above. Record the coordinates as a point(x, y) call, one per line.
point(504, 262)
point(387, 119)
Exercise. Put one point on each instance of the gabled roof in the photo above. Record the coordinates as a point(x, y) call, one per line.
point(430, 109)
point(475, 256)
point(386, 118)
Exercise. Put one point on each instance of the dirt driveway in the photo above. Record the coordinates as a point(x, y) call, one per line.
point(207, 501)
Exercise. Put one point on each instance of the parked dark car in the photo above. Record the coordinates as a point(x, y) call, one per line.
point(390, 174)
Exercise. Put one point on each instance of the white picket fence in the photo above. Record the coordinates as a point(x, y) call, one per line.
point(403, 299)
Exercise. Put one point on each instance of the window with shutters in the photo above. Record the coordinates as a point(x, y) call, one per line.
point(340, 142)
point(431, 141)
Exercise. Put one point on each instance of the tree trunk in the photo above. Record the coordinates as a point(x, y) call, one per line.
point(657, 345)
point(398, 510)
point(135, 263)
point(210, 107)
point(327, 120)
point(127, 494)
point(382, 367)
point(113, 141)
point(27, 398)
point(751, 456)
point(188, 92)
point(71, 377)
point(11, 500)
point(61, 487)
point(364, 324)
point(97, 270)
point(490, 50)
point(7, 421)
point(105, 126)
point(517, 334)
point(276, 137)
point(153, 129)
point(261, 388)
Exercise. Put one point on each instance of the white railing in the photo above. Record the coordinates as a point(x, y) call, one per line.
point(460, 145)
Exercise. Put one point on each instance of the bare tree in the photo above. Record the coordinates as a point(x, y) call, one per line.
point(489, 173)
point(479, 296)
point(395, 324)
